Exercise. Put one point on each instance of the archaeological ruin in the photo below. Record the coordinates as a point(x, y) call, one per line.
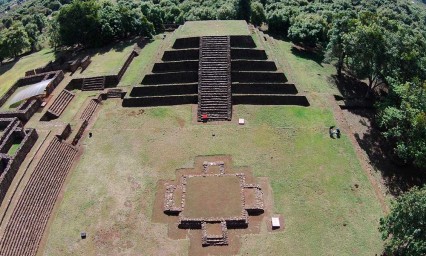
point(213, 197)
point(214, 72)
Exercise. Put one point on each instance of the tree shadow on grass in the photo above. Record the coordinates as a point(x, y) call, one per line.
point(397, 177)
point(308, 54)
point(6, 66)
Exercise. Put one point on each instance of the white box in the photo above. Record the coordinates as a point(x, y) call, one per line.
point(275, 222)
point(241, 121)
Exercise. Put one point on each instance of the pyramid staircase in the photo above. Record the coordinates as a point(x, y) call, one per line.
point(93, 83)
point(60, 103)
point(214, 79)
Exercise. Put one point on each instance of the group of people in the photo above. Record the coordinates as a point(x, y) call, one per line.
point(334, 132)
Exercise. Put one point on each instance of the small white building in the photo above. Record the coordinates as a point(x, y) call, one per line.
point(275, 223)
point(241, 121)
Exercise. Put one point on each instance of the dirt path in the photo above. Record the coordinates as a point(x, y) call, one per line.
point(361, 155)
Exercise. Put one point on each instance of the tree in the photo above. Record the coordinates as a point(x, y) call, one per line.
point(226, 12)
point(335, 47)
point(79, 23)
point(33, 33)
point(365, 53)
point(307, 29)
point(16, 39)
point(404, 229)
point(244, 10)
point(402, 117)
point(257, 14)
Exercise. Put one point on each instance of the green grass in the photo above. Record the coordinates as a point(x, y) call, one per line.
point(318, 185)
point(309, 74)
point(13, 149)
point(108, 60)
point(213, 28)
point(141, 64)
point(11, 72)
point(312, 177)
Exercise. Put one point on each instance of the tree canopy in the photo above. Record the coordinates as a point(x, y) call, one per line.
point(404, 229)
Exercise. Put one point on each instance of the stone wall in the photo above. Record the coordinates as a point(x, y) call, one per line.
point(167, 100)
point(171, 78)
point(258, 77)
point(243, 41)
point(263, 88)
point(81, 128)
point(180, 55)
point(187, 42)
point(248, 54)
point(30, 136)
point(31, 106)
point(85, 62)
point(177, 66)
point(126, 64)
point(270, 100)
point(168, 89)
point(253, 65)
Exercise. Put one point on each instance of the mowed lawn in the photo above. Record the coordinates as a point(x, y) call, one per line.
point(318, 186)
point(141, 64)
point(107, 60)
point(11, 72)
point(213, 28)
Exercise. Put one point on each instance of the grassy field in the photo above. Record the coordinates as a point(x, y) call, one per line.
point(108, 60)
point(327, 202)
point(11, 72)
point(214, 28)
point(141, 64)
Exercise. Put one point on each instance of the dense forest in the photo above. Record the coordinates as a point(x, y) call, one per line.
point(382, 42)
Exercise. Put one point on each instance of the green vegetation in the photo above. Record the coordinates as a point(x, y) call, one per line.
point(404, 229)
point(141, 64)
point(13, 149)
point(11, 72)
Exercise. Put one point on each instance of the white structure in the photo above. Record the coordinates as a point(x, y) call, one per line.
point(241, 121)
point(275, 222)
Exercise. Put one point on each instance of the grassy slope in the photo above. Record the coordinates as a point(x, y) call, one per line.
point(11, 72)
point(138, 67)
point(111, 192)
point(214, 28)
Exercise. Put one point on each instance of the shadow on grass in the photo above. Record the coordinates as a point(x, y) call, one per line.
point(308, 54)
point(6, 66)
point(397, 177)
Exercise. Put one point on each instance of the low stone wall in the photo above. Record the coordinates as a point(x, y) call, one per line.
point(65, 132)
point(180, 55)
point(7, 125)
point(126, 64)
point(85, 62)
point(160, 100)
point(161, 90)
point(177, 66)
point(81, 128)
point(14, 162)
point(171, 78)
point(253, 65)
point(31, 106)
point(74, 65)
point(187, 42)
point(263, 88)
point(243, 41)
point(248, 54)
point(56, 75)
point(270, 100)
point(258, 77)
